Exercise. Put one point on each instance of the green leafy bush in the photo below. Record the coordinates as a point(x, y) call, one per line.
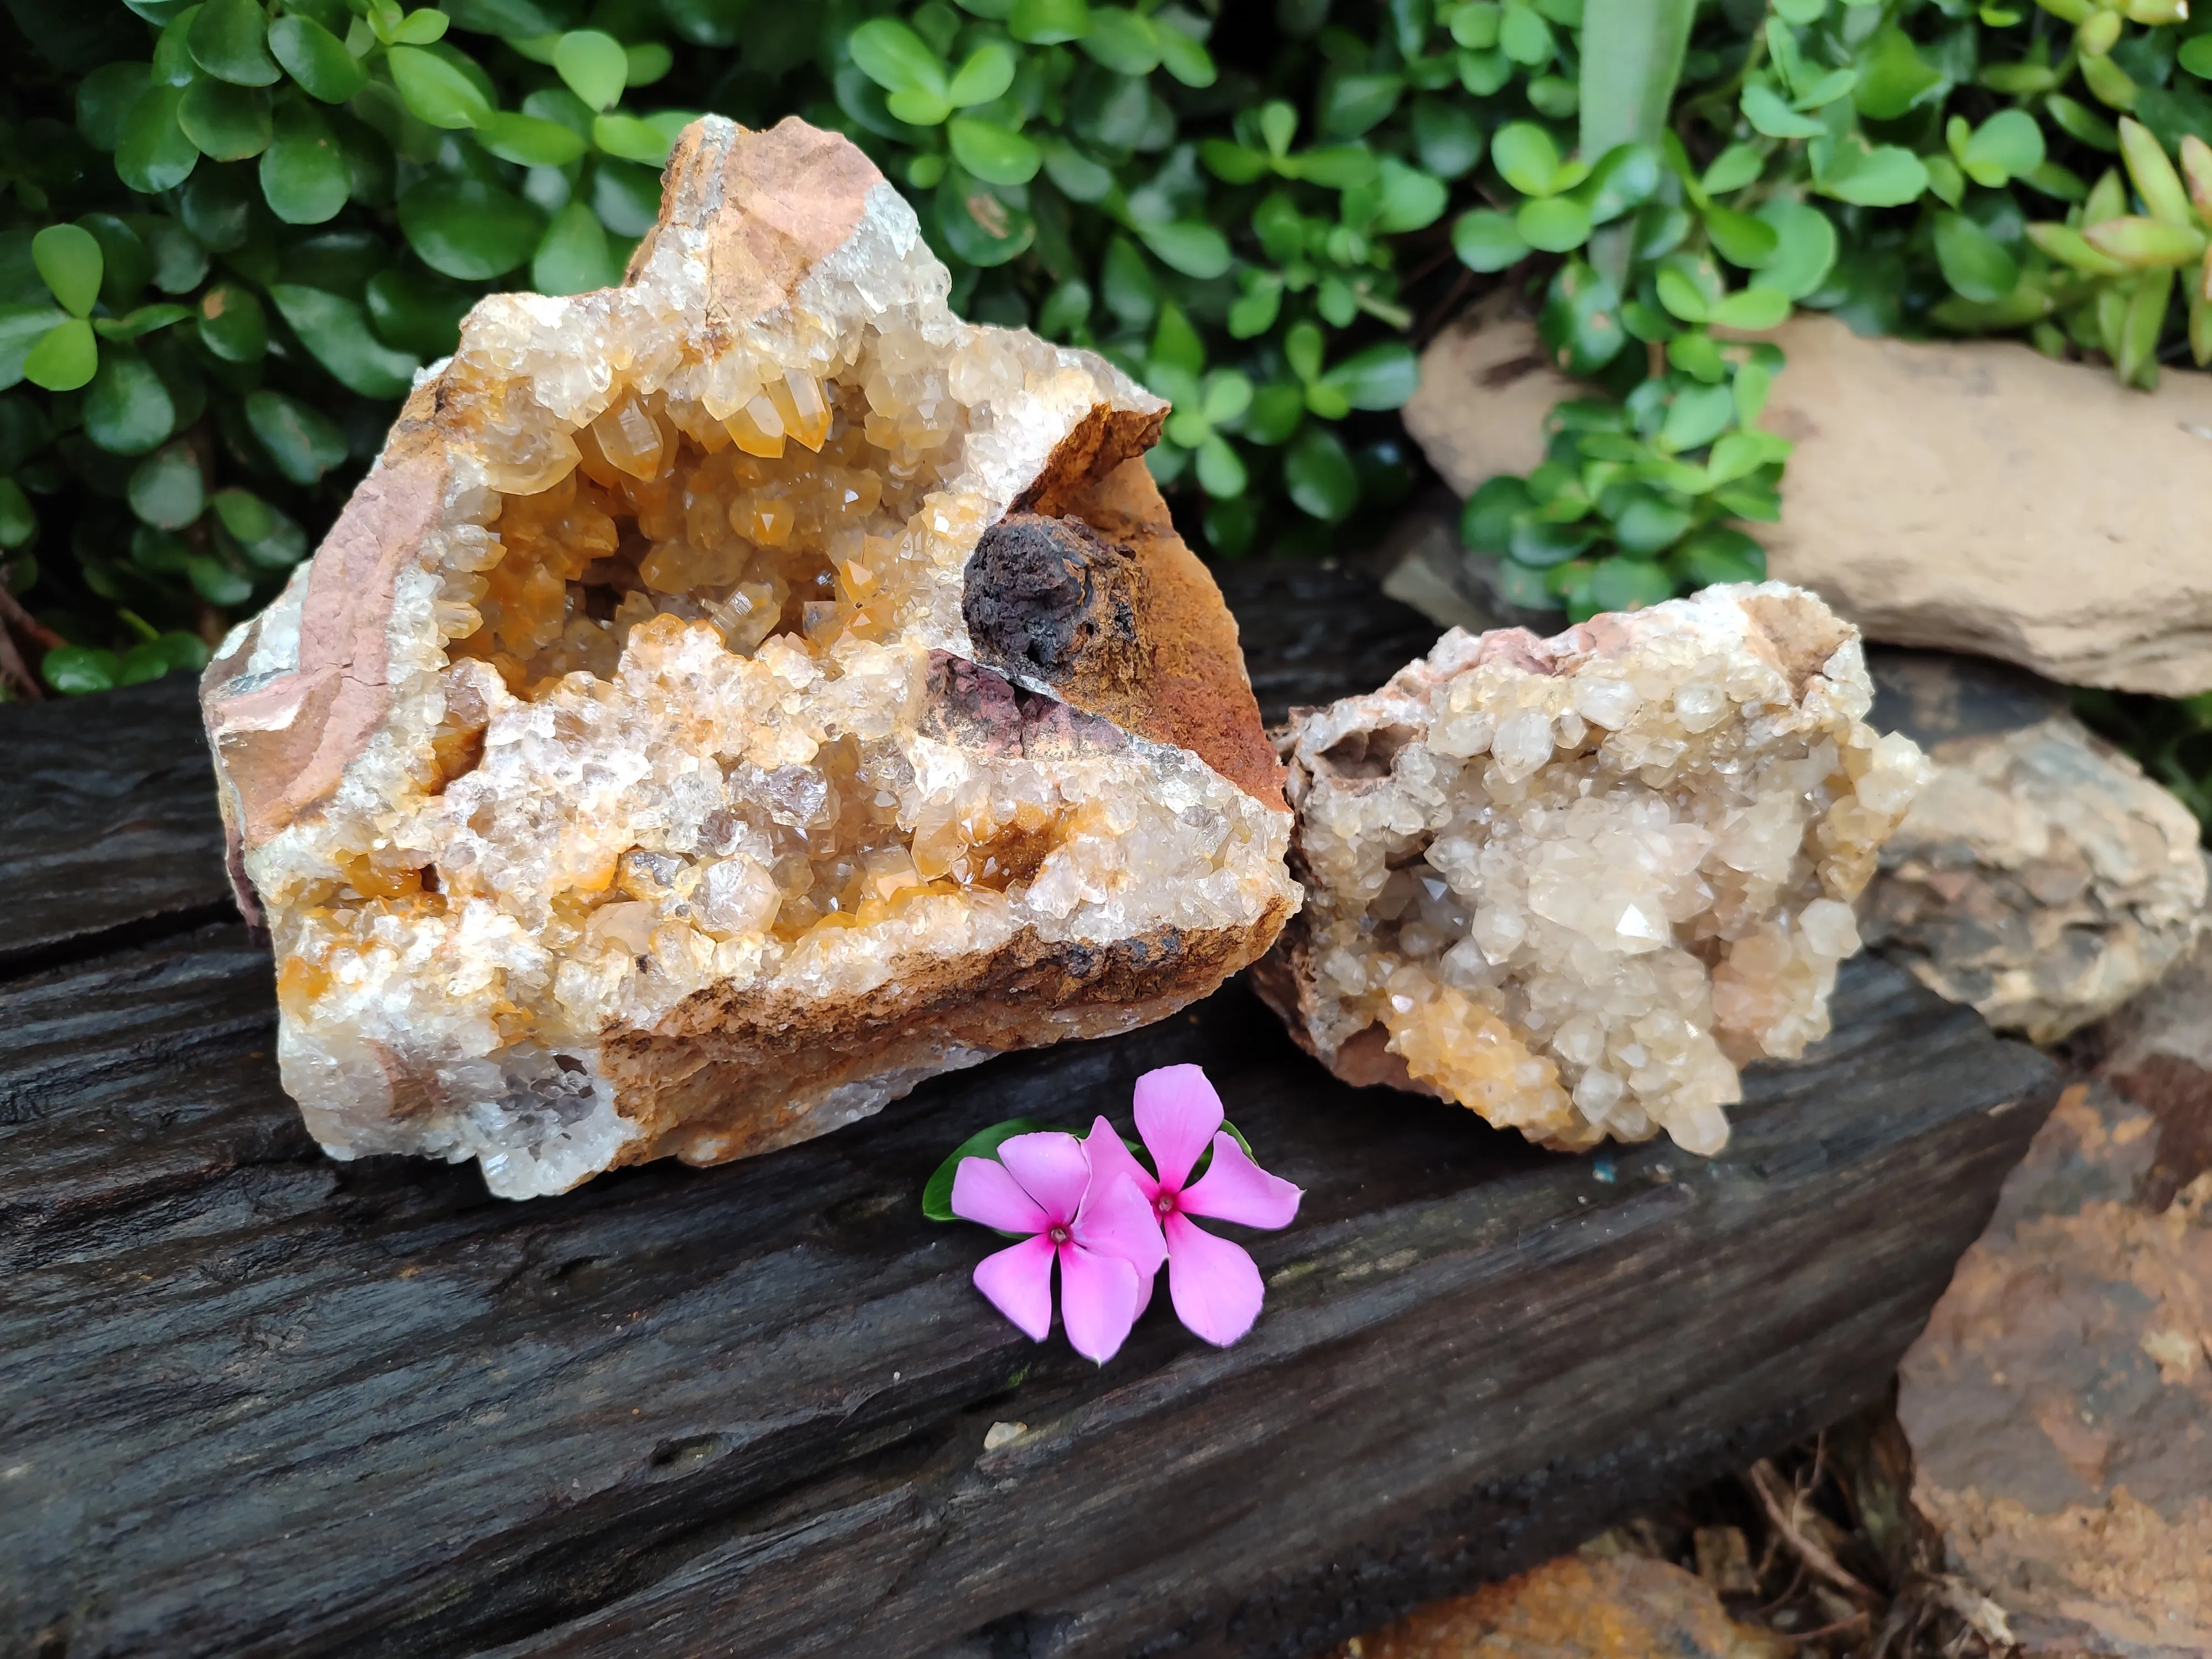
point(236, 232)
point(1911, 168)
point(232, 237)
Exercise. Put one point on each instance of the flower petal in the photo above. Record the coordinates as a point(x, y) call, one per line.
point(985, 1190)
point(1052, 1169)
point(1235, 1189)
point(1177, 1112)
point(1018, 1280)
point(1109, 1156)
point(1098, 1301)
point(1117, 1221)
point(1214, 1284)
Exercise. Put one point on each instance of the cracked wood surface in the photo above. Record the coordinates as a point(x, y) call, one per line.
point(257, 1402)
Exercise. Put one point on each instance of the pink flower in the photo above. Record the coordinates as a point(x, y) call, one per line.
point(1098, 1229)
point(1214, 1284)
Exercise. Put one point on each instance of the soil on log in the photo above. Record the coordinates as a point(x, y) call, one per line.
point(258, 1402)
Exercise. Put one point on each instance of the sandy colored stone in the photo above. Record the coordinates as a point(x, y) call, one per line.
point(732, 698)
point(1972, 496)
point(2041, 877)
point(2060, 1401)
point(1487, 385)
point(1578, 1607)
point(1575, 884)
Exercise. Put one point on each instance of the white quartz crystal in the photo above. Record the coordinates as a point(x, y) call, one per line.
point(1577, 882)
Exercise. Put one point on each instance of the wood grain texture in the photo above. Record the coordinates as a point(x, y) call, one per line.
point(109, 831)
point(258, 1402)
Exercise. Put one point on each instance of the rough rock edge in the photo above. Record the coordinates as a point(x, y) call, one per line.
point(763, 211)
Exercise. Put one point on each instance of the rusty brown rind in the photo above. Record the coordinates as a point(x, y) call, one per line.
point(724, 1075)
point(728, 1074)
point(1193, 693)
point(284, 743)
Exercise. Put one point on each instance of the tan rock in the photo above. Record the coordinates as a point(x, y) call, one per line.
point(1578, 1607)
point(1575, 884)
point(2059, 1402)
point(1488, 384)
point(1972, 496)
point(732, 698)
point(2041, 877)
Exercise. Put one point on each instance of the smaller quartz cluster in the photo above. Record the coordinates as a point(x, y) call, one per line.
point(1575, 884)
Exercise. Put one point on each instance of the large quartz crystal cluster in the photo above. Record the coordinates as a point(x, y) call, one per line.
point(1574, 883)
point(732, 698)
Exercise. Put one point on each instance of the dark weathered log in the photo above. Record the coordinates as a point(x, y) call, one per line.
point(108, 827)
point(257, 1402)
point(1313, 633)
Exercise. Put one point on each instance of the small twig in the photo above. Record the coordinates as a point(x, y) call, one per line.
point(1901, 1614)
point(14, 671)
point(1779, 1500)
point(12, 613)
point(1840, 1625)
point(1441, 314)
point(1789, 1591)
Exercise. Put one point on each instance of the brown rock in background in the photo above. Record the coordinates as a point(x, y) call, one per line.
point(2041, 877)
point(1578, 1607)
point(2059, 1403)
point(1486, 385)
point(1972, 496)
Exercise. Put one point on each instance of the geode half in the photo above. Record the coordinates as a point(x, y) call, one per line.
point(732, 698)
point(1574, 883)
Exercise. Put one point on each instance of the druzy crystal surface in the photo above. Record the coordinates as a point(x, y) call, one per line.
point(733, 697)
point(1575, 884)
